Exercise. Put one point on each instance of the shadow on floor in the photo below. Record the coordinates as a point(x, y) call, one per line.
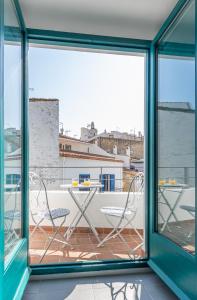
point(146, 286)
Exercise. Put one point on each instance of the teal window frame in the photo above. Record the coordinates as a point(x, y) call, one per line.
point(12, 286)
point(167, 259)
point(97, 43)
point(112, 44)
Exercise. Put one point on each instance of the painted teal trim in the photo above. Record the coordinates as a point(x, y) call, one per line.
point(147, 148)
point(152, 141)
point(180, 6)
point(25, 140)
point(15, 271)
point(86, 267)
point(176, 267)
point(169, 282)
point(196, 131)
point(1, 145)
point(19, 14)
point(22, 285)
point(89, 41)
point(177, 49)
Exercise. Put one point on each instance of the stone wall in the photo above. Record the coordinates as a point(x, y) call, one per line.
point(136, 146)
point(176, 145)
point(44, 137)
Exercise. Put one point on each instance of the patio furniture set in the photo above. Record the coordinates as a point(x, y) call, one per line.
point(118, 217)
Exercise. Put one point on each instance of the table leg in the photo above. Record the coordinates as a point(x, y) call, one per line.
point(78, 217)
point(172, 210)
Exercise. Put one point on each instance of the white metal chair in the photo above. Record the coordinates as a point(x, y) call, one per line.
point(12, 215)
point(41, 211)
point(124, 216)
point(191, 210)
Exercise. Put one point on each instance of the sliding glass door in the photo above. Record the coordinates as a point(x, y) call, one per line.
point(14, 240)
point(12, 132)
point(84, 165)
point(172, 237)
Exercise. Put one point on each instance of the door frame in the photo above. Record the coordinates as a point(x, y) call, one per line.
point(165, 255)
point(98, 43)
point(12, 286)
point(103, 43)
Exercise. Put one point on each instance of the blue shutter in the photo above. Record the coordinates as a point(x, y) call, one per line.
point(8, 179)
point(102, 181)
point(112, 182)
point(108, 182)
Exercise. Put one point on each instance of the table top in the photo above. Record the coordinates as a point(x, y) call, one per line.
point(177, 185)
point(91, 186)
point(11, 186)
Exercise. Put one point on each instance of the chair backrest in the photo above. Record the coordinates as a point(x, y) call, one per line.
point(12, 206)
point(38, 197)
point(135, 191)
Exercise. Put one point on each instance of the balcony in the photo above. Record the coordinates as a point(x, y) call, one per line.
point(83, 242)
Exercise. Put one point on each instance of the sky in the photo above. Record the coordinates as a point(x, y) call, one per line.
point(177, 80)
point(105, 88)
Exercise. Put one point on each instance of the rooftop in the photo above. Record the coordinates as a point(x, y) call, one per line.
point(85, 155)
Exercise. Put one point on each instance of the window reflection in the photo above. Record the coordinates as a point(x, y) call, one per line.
point(176, 132)
point(12, 130)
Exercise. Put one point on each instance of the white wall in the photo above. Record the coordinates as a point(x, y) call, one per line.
point(176, 144)
point(63, 199)
point(75, 166)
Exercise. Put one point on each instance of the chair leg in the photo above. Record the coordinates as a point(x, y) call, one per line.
point(53, 238)
point(50, 242)
point(38, 227)
point(119, 234)
point(108, 237)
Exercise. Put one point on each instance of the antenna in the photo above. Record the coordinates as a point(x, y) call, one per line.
point(67, 131)
point(62, 128)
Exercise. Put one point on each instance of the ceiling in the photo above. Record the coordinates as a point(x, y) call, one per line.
point(139, 19)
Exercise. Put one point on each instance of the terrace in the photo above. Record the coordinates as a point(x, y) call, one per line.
point(83, 242)
point(98, 149)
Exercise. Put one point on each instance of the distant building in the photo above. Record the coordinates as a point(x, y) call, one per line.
point(176, 127)
point(60, 158)
point(115, 142)
point(12, 139)
point(88, 133)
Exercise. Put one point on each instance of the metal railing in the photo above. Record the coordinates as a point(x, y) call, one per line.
point(183, 174)
point(55, 176)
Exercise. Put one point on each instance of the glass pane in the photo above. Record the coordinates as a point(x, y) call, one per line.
point(176, 132)
point(12, 129)
point(86, 124)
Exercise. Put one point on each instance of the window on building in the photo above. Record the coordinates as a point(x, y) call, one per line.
point(108, 182)
point(67, 147)
point(13, 178)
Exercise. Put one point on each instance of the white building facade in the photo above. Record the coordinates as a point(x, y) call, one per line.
point(59, 159)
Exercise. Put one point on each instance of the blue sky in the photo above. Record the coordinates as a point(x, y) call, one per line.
point(105, 88)
point(177, 80)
